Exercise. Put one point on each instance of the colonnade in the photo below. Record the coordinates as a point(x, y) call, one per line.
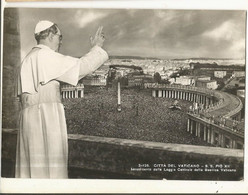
point(184, 95)
point(217, 134)
point(72, 94)
point(237, 117)
point(68, 91)
point(214, 134)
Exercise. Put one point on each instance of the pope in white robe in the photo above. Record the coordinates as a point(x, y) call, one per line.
point(42, 145)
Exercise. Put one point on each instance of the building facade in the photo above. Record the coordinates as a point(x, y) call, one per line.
point(95, 80)
point(212, 84)
point(219, 74)
point(139, 79)
point(238, 74)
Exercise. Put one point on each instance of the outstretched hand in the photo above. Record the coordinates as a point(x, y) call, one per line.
point(98, 39)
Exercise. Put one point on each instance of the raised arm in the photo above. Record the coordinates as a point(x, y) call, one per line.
point(96, 57)
point(87, 64)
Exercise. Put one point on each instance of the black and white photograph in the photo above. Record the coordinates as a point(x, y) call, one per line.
point(130, 94)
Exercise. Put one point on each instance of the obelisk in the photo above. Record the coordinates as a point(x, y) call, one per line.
point(119, 97)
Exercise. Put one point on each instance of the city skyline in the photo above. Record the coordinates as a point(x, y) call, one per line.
point(164, 34)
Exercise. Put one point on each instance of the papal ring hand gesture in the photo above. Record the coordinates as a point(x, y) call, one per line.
point(98, 39)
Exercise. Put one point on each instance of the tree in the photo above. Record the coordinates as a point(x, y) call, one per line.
point(157, 78)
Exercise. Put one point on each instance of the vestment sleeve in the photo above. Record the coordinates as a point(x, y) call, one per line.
point(92, 61)
point(70, 70)
point(44, 65)
point(86, 64)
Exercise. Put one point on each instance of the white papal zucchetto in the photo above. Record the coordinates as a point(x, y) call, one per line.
point(42, 25)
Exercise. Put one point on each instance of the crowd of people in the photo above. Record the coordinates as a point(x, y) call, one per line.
point(142, 117)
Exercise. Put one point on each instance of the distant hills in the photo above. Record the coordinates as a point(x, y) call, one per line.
point(132, 57)
point(125, 66)
point(206, 59)
point(153, 58)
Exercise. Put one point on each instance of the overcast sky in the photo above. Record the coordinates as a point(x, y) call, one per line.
point(164, 34)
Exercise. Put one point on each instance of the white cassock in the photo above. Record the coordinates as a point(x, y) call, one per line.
point(42, 145)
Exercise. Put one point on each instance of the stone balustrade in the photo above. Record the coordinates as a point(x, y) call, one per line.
point(102, 157)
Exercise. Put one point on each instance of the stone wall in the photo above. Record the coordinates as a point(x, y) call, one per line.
point(11, 61)
point(101, 157)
